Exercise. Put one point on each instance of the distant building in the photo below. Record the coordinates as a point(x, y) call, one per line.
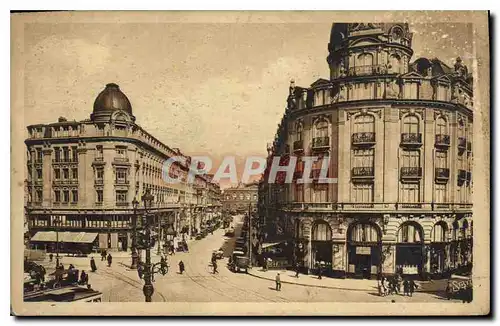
point(238, 199)
point(399, 138)
point(82, 176)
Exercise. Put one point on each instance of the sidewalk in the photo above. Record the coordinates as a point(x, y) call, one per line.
point(288, 277)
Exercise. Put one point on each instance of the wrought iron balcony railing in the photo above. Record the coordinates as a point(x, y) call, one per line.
point(462, 143)
point(411, 139)
point(442, 141)
point(367, 70)
point(298, 145)
point(362, 172)
point(411, 172)
point(321, 142)
point(121, 159)
point(442, 174)
point(363, 138)
point(462, 175)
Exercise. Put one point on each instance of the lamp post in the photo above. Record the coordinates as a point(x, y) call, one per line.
point(135, 256)
point(57, 222)
point(148, 288)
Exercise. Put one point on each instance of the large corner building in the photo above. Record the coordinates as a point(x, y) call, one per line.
point(82, 177)
point(398, 134)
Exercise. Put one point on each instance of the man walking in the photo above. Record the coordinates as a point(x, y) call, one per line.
point(215, 267)
point(297, 269)
point(278, 282)
point(51, 256)
point(93, 266)
point(412, 286)
point(110, 260)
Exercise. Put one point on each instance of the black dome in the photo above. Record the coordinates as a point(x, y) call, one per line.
point(112, 99)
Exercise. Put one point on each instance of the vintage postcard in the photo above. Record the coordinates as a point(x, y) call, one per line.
point(250, 163)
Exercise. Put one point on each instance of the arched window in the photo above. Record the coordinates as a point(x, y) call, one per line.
point(365, 59)
point(300, 130)
point(439, 232)
point(411, 125)
point(410, 233)
point(454, 232)
point(322, 232)
point(395, 63)
point(397, 34)
point(321, 128)
point(364, 123)
point(465, 229)
point(364, 232)
point(441, 126)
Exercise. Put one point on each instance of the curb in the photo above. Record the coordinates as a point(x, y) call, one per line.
point(310, 285)
point(328, 287)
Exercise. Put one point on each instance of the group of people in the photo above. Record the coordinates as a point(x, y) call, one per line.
point(389, 286)
point(106, 256)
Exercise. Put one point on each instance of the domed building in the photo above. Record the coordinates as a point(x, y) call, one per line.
point(398, 136)
point(83, 176)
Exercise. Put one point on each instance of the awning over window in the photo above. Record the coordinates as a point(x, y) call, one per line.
point(71, 237)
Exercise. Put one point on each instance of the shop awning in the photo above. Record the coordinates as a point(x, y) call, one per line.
point(71, 237)
point(271, 244)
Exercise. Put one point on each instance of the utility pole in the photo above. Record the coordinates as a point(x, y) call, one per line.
point(250, 233)
point(159, 235)
point(148, 288)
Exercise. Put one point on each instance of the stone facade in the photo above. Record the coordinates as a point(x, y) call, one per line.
point(398, 135)
point(87, 173)
point(238, 199)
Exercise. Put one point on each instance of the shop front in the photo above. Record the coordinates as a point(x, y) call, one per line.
point(364, 250)
point(438, 250)
point(321, 248)
point(410, 258)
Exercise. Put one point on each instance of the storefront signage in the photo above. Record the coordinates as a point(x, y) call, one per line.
point(363, 251)
point(457, 286)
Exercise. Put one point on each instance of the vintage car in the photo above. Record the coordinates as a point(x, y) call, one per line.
point(239, 261)
point(229, 232)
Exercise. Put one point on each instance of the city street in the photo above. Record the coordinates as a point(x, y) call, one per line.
point(198, 284)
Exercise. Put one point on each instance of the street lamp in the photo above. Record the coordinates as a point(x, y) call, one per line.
point(135, 256)
point(57, 222)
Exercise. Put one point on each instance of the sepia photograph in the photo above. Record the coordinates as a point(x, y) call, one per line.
point(250, 163)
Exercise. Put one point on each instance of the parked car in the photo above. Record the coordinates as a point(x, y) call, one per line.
point(199, 236)
point(239, 262)
point(229, 232)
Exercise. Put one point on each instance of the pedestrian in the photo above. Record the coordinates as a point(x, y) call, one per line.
point(110, 260)
point(215, 267)
point(297, 270)
point(320, 271)
point(181, 267)
point(51, 256)
point(83, 278)
point(278, 282)
point(379, 288)
point(71, 267)
point(103, 255)
point(264, 267)
point(449, 289)
point(406, 288)
point(383, 283)
point(412, 287)
point(399, 280)
point(93, 266)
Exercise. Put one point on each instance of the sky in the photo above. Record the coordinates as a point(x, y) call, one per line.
point(214, 89)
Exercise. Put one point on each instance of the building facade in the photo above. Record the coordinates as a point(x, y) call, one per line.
point(82, 176)
point(237, 199)
point(398, 135)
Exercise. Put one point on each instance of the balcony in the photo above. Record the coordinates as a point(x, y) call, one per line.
point(99, 181)
point(122, 204)
point(362, 172)
point(321, 142)
point(442, 174)
point(65, 182)
point(363, 138)
point(462, 144)
point(367, 70)
point(298, 146)
point(411, 139)
point(469, 146)
point(442, 141)
point(469, 176)
point(462, 175)
point(121, 159)
point(411, 172)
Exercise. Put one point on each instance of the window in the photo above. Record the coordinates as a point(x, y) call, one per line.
point(439, 233)
point(99, 195)
point(65, 154)
point(440, 193)
point(410, 193)
point(39, 195)
point(39, 173)
point(65, 196)
point(74, 194)
point(441, 127)
point(362, 192)
point(300, 130)
point(39, 157)
point(121, 175)
point(410, 125)
point(364, 233)
point(441, 159)
point(395, 64)
point(365, 60)
point(121, 151)
point(65, 174)
point(410, 158)
point(321, 128)
point(409, 233)
point(57, 152)
point(121, 196)
point(364, 123)
point(57, 174)
point(99, 173)
point(322, 232)
point(57, 196)
point(254, 197)
point(74, 151)
point(363, 157)
point(74, 173)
